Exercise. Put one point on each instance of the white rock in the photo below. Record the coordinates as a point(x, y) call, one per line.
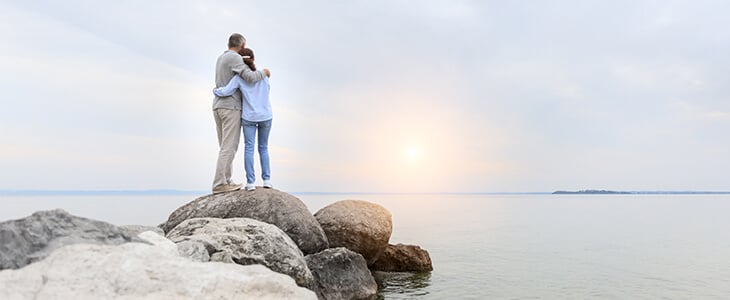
point(160, 241)
point(141, 271)
point(133, 230)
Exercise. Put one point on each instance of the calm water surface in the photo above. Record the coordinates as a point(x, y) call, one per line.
point(513, 246)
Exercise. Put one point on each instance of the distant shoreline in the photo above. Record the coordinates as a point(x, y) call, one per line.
point(609, 192)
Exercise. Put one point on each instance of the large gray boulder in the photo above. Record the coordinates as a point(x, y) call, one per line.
point(341, 274)
point(246, 242)
point(151, 270)
point(360, 226)
point(403, 258)
point(266, 205)
point(30, 239)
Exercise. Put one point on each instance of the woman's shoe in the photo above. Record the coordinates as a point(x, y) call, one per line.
point(267, 184)
point(250, 187)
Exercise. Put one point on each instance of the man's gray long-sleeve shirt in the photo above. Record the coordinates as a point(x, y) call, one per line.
point(230, 64)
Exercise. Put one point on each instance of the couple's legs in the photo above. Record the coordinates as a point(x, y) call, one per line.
point(249, 135)
point(228, 126)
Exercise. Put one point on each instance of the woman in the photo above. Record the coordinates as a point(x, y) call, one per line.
point(256, 118)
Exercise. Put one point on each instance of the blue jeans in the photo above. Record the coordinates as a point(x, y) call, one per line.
point(249, 135)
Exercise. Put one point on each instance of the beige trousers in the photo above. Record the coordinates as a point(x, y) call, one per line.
point(228, 126)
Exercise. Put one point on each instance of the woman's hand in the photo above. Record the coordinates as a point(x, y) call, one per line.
point(267, 72)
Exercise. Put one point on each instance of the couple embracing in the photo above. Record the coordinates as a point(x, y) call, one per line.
point(241, 101)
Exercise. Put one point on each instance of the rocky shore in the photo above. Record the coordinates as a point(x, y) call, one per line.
point(262, 244)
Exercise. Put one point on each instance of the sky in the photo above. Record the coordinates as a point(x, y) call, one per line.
point(372, 96)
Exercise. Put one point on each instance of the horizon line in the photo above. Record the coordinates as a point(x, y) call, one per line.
point(172, 192)
point(145, 192)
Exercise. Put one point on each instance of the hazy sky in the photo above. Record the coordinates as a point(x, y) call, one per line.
point(373, 96)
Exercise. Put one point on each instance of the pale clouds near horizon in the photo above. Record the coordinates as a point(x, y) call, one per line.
point(489, 95)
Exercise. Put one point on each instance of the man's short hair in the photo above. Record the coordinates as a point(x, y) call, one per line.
point(236, 40)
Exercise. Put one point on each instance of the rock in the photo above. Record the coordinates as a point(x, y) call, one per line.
point(341, 274)
point(357, 225)
point(30, 239)
point(133, 230)
point(191, 250)
point(223, 256)
point(246, 241)
point(267, 205)
point(161, 242)
point(194, 251)
point(403, 258)
point(141, 271)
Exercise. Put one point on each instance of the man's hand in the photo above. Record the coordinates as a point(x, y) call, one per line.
point(267, 72)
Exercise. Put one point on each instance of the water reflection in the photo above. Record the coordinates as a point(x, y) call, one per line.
point(402, 285)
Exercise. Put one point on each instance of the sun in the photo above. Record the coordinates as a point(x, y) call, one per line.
point(413, 153)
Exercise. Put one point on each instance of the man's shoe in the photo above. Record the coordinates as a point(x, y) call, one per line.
point(223, 188)
point(267, 184)
point(250, 187)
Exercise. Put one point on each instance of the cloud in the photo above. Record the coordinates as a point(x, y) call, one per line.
point(718, 116)
point(497, 96)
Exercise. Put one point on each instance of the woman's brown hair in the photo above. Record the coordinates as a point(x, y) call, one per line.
point(249, 61)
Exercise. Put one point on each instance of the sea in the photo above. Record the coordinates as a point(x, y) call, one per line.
point(509, 246)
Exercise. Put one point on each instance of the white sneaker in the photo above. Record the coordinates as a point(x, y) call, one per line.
point(267, 184)
point(250, 187)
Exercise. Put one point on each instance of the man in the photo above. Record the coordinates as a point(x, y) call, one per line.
point(227, 111)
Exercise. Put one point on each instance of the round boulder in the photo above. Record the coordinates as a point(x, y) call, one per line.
point(266, 205)
point(246, 242)
point(341, 274)
point(403, 258)
point(360, 226)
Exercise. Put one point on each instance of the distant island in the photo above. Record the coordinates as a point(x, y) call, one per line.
point(602, 192)
point(608, 192)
